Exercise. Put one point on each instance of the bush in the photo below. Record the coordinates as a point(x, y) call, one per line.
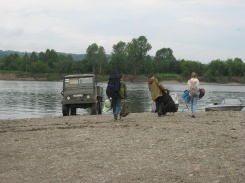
point(169, 77)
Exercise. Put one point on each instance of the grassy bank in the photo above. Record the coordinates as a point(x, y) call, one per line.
point(17, 75)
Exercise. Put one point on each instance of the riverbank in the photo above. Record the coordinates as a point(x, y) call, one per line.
point(16, 77)
point(141, 148)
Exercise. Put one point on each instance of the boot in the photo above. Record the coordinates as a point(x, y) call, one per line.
point(115, 117)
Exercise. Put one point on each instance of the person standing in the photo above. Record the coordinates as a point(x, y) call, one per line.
point(118, 101)
point(157, 90)
point(193, 88)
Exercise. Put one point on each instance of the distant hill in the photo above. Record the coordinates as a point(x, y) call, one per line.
point(76, 57)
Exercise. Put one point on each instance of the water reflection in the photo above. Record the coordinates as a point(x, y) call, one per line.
point(34, 99)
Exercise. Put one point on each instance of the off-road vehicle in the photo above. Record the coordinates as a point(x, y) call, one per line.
point(81, 91)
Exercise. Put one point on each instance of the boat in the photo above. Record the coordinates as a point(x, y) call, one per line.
point(225, 105)
point(175, 99)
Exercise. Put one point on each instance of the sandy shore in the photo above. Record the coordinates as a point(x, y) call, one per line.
point(142, 148)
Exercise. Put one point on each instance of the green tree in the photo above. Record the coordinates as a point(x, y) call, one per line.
point(9, 61)
point(235, 67)
point(51, 57)
point(41, 56)
point(64, 65)
point(217, 68)
point(33, 57)
point(92, 56)
point(101, 59)
point(17, 65)
point(165, 62)
point(118, 58)
point(136, 52)
point(86, 66)
point(175, 67)
point(26, 60)
point(147, 65)
point(187, 67)
point(38, 67)
point(164, 54)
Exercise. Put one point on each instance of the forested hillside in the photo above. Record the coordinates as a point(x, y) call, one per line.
point(76, 57)
point(130, 58)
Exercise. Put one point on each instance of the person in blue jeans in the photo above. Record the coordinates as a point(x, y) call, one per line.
point(117, 107)
point(193, 88)
point(193, 100)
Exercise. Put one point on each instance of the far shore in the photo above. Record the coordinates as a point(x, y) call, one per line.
point(139, 80)
point(202, 82)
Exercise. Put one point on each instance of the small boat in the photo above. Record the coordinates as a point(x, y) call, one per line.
point(225, 105)
point(175, 99)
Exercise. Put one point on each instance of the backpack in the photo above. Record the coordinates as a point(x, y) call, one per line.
point(113, 86)
point(194, 90)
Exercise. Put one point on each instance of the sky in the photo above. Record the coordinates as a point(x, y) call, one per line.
point(198, 30)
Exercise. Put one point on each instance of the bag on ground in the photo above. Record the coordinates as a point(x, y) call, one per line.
point(125, 110)
point(107, 105)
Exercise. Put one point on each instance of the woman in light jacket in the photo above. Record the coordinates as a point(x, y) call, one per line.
point(193, 88)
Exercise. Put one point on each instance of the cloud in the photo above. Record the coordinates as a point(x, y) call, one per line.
point(194, 29)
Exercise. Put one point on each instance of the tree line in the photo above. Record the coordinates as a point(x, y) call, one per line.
point(130, 58)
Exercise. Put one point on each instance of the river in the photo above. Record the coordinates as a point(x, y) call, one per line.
point(38, 99)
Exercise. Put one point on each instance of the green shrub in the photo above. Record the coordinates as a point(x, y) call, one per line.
point(169, 77)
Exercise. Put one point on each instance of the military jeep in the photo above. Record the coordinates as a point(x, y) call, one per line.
point(81, 91)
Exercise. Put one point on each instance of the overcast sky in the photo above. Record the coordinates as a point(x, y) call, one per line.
point(199, 30)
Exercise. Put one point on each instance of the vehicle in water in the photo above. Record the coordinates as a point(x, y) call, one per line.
point(81, 91)
point(225, 105)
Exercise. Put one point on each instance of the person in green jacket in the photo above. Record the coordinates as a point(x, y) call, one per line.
point(122, 96)
point(157, 90)
point(123, 89)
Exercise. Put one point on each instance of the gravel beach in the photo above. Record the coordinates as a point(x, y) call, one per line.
point(142, 148)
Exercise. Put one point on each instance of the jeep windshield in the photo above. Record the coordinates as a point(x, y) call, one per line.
point(72, 83)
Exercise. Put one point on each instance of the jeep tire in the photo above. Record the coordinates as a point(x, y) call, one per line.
point(94, 108)
point(100, 106)
point(73, 111)
point(65, 110)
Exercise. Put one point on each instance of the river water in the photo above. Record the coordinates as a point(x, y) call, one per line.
point(37, 99)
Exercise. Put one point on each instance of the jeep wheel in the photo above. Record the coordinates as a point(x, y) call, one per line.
point(94, 109)
point(65, 110)
point(73, 111)
point(99, 107)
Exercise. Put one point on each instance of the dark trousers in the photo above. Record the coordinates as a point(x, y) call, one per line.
point(159, 105)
